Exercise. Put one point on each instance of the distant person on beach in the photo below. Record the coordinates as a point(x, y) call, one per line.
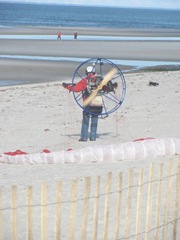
point(75, 35)
point(91, 111)
point(59, 35)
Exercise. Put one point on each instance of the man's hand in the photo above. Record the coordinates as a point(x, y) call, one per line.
point(64, 85)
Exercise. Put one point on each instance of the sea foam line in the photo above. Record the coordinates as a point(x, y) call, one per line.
point(88, 38)
point(133, 63)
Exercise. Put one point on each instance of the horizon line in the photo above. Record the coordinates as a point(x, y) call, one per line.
point(85, 5)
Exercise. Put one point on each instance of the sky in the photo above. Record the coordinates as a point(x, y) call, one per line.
point(165, 4)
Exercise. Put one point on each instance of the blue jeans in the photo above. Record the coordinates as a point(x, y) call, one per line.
point(85, 126)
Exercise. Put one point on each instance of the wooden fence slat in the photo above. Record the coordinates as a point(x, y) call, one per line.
point(177, 202)
point(107, 205)
point(168, 203)
point(14, 212)
point(1, 216)
point(58, 210)
point(44, 225)
point(149, 202)
point(86, 207)
point(159, 197)
point(96, 208)
point(29, 202)
point(128, 204)
point(73, 209)
point(139, 202)
point(118, 205)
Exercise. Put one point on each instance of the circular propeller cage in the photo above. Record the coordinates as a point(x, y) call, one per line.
point(113, 99)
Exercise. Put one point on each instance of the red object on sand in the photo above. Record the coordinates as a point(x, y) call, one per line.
point(142, 139)
point(46, 151)
point(17, 152)
point(69, 149)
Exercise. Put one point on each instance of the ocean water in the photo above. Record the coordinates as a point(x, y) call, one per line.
point(13, 14)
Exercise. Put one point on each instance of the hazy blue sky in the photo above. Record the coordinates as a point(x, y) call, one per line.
point(167, 4)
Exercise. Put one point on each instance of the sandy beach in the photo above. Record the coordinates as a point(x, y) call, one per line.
point(38, 116)
point(43, 115)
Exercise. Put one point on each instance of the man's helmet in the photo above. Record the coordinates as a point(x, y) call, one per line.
point(90, 69)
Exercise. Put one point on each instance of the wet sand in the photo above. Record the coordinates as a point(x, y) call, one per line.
point(30, 71)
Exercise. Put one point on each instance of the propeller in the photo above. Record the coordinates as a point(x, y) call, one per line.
point(106, 79)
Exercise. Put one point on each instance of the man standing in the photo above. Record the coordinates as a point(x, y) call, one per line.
point(91, 111)
point(75, 35)
point(59, 35)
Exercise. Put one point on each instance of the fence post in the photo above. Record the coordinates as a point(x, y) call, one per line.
point(44, 211)
point(29, 202)
point(96, 208)
point(58, 210)
point(73, 209)
point(167, 203)
point(177, 202)
point(158, 205)
point(149, 202)
point(107, 204)
point(118, 205)
point(128, 204)
point(1, 216)
point(139, 202)
point(14, 212)
point(86, 207)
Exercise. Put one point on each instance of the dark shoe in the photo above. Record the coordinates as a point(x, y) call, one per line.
point(82, 140)
point(92, 139)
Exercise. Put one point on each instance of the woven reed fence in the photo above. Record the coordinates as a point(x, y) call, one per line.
point(135, 204)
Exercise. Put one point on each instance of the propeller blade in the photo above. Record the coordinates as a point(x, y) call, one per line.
point(106, 79)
